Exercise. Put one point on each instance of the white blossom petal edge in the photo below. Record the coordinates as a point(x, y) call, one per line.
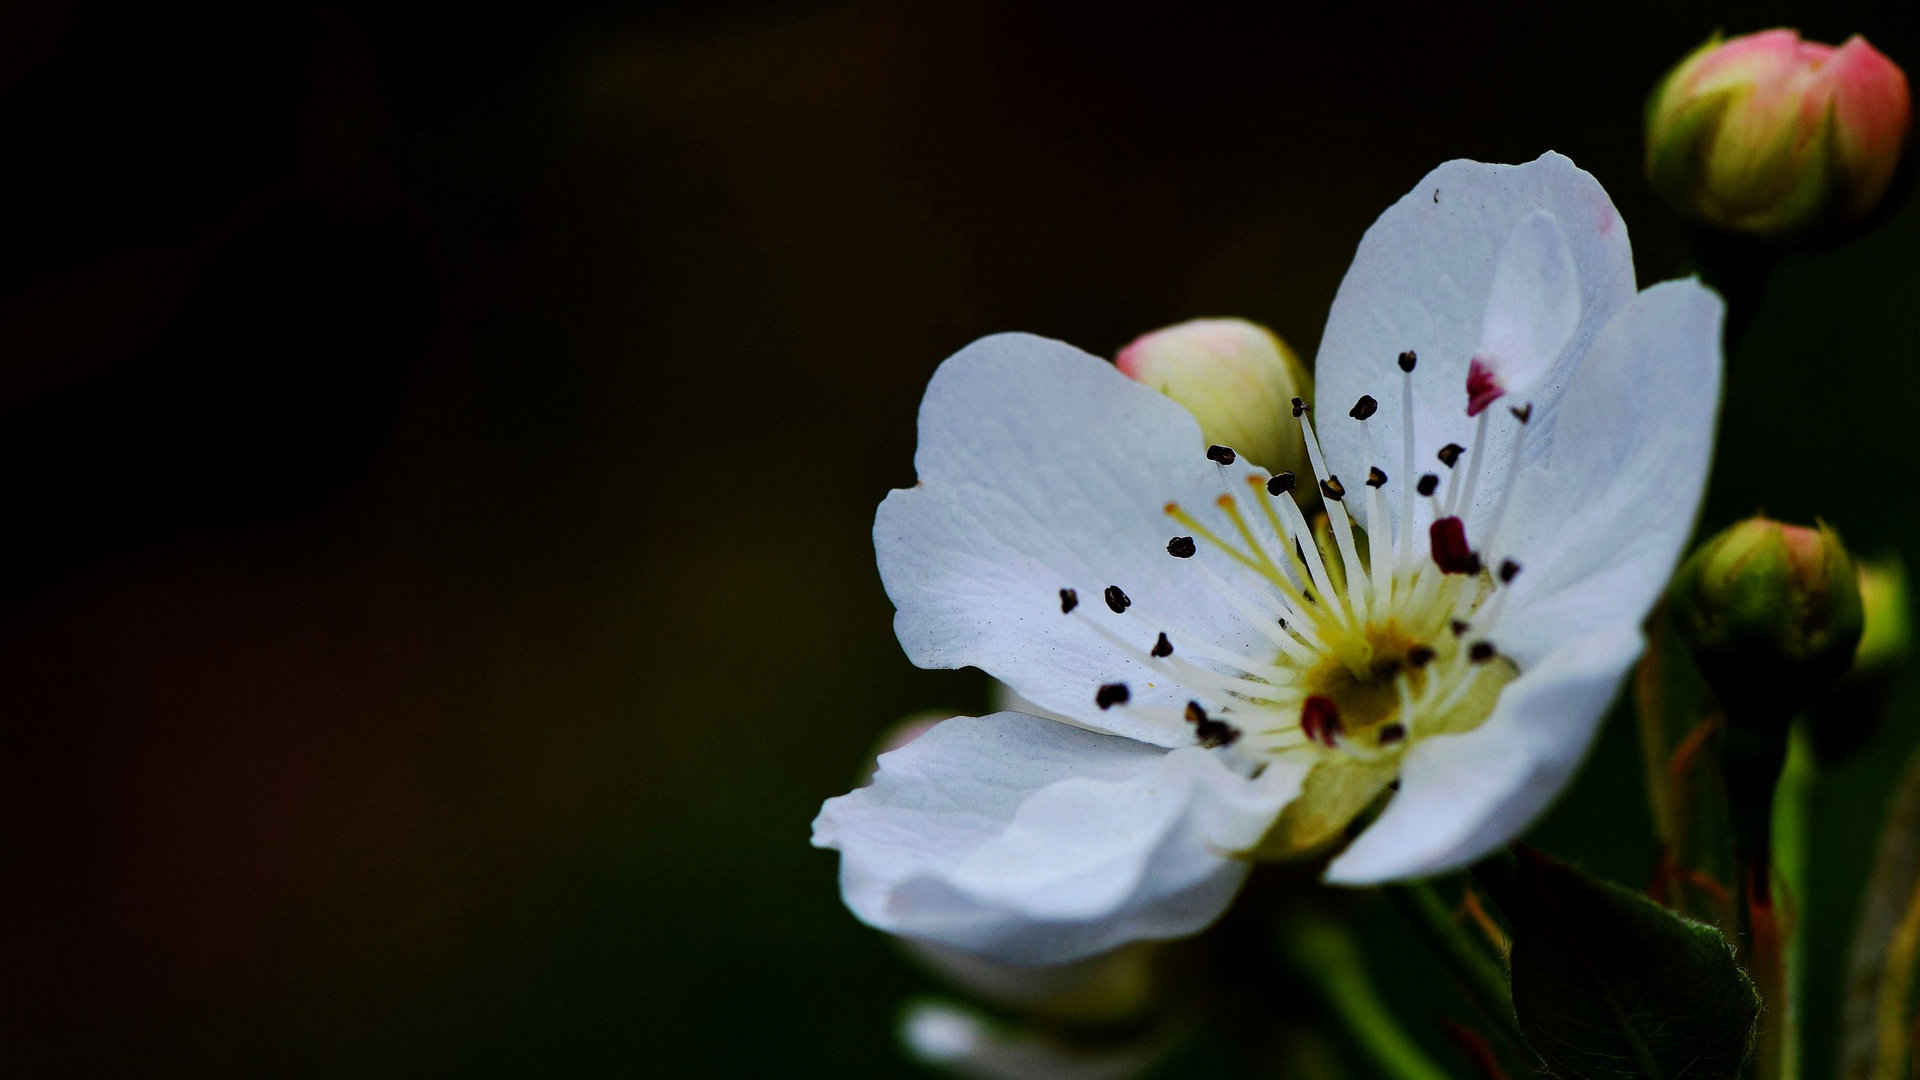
point(1513, 446)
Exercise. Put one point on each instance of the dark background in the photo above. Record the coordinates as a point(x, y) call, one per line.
point(441, 448)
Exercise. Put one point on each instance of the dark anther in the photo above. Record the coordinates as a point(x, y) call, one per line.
point(1407, 360)
point(1298, 408)
point(1301, 554)
point(1522, 413)
point(1283, 622)
point(1458, 626)
point(1481, 652)
point(1429, 483)
point(1181, 547)
point(1210, 732)
point(1163, 647)
point(1364, 408)
point(1111, 694)
point(1376, 478)
point(1394, 784)
point(1118, 600)
point(1222, 455)
point(1385, 668)
point(1420, 656)
point(1320, 720)
point(1068, 600)
point(1508, 570)
point(1447, 537)
point(1392, 733)
point(1280, 483)
point(1333, 489)
point(1450, 453)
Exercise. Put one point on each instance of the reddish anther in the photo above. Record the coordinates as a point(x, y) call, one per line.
point(1320, 720)
point(1448, 537)
point(1483, 386)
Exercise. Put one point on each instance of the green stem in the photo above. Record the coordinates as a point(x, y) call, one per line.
point(1792, 822)
point(1327, 955)
point(1483, 976)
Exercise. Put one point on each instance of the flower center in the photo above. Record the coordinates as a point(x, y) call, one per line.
point(1374, 639)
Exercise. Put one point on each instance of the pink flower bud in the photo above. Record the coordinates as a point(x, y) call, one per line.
point(1768, 134)
point(1236, 378)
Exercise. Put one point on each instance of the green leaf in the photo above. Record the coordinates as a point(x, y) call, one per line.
point(1607, 983)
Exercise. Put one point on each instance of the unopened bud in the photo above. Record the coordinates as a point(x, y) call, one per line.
point(1772, 613)
point(1237, 378)
point(1768, 135)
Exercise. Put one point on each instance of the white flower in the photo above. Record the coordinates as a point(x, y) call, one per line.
point(1524, 438)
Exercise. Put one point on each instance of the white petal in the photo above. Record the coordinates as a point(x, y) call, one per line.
point(1043, 468)
point(1422, 280)
point(1534, 306)
point(1462, 796)
point(1032, 842)
point(1607, 497)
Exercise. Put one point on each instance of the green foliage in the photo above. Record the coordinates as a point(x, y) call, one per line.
point(1607, 983)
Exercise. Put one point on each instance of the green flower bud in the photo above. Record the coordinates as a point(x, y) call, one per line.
point(1769, 135)
point(1772, 613)
point(1237, 378)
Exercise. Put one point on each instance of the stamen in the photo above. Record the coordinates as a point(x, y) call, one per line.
point(1181, 547)
point(1480, 652)
point(1522, 413)
point(1379, 541)
point(1260, 567)
point(1195, 677)
point(1465, 505)
point(1404, 538)
point(1161, 646)
point(1447, 538)
point(1280, 483)
point(1450, 453)
point(1111, 694)
point(1068, 600)
point(1393, 733)
point(1309, 556)
point(1508, 571)
point(1483, 386)
point(1174, 511)
point(1220, 455)
point(1458, 626)
point(1419, 656)
point(1210, 732)
point(1320, 720)
point(1506, 494)
point(1364, 408)
point(1232, 509)
point(1428, 483)
point(1262, 622)
point(1118, 600)
point(1299, 407)
point(1337, 519)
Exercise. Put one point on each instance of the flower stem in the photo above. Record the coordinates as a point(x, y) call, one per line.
point(1792, 818)
point(1327, 954)
point(1480, 973)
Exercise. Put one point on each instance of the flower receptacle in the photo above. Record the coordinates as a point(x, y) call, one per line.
point(1769, 135)
point(1236, 378)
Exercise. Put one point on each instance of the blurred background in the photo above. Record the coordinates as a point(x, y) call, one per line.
point(442, 446)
